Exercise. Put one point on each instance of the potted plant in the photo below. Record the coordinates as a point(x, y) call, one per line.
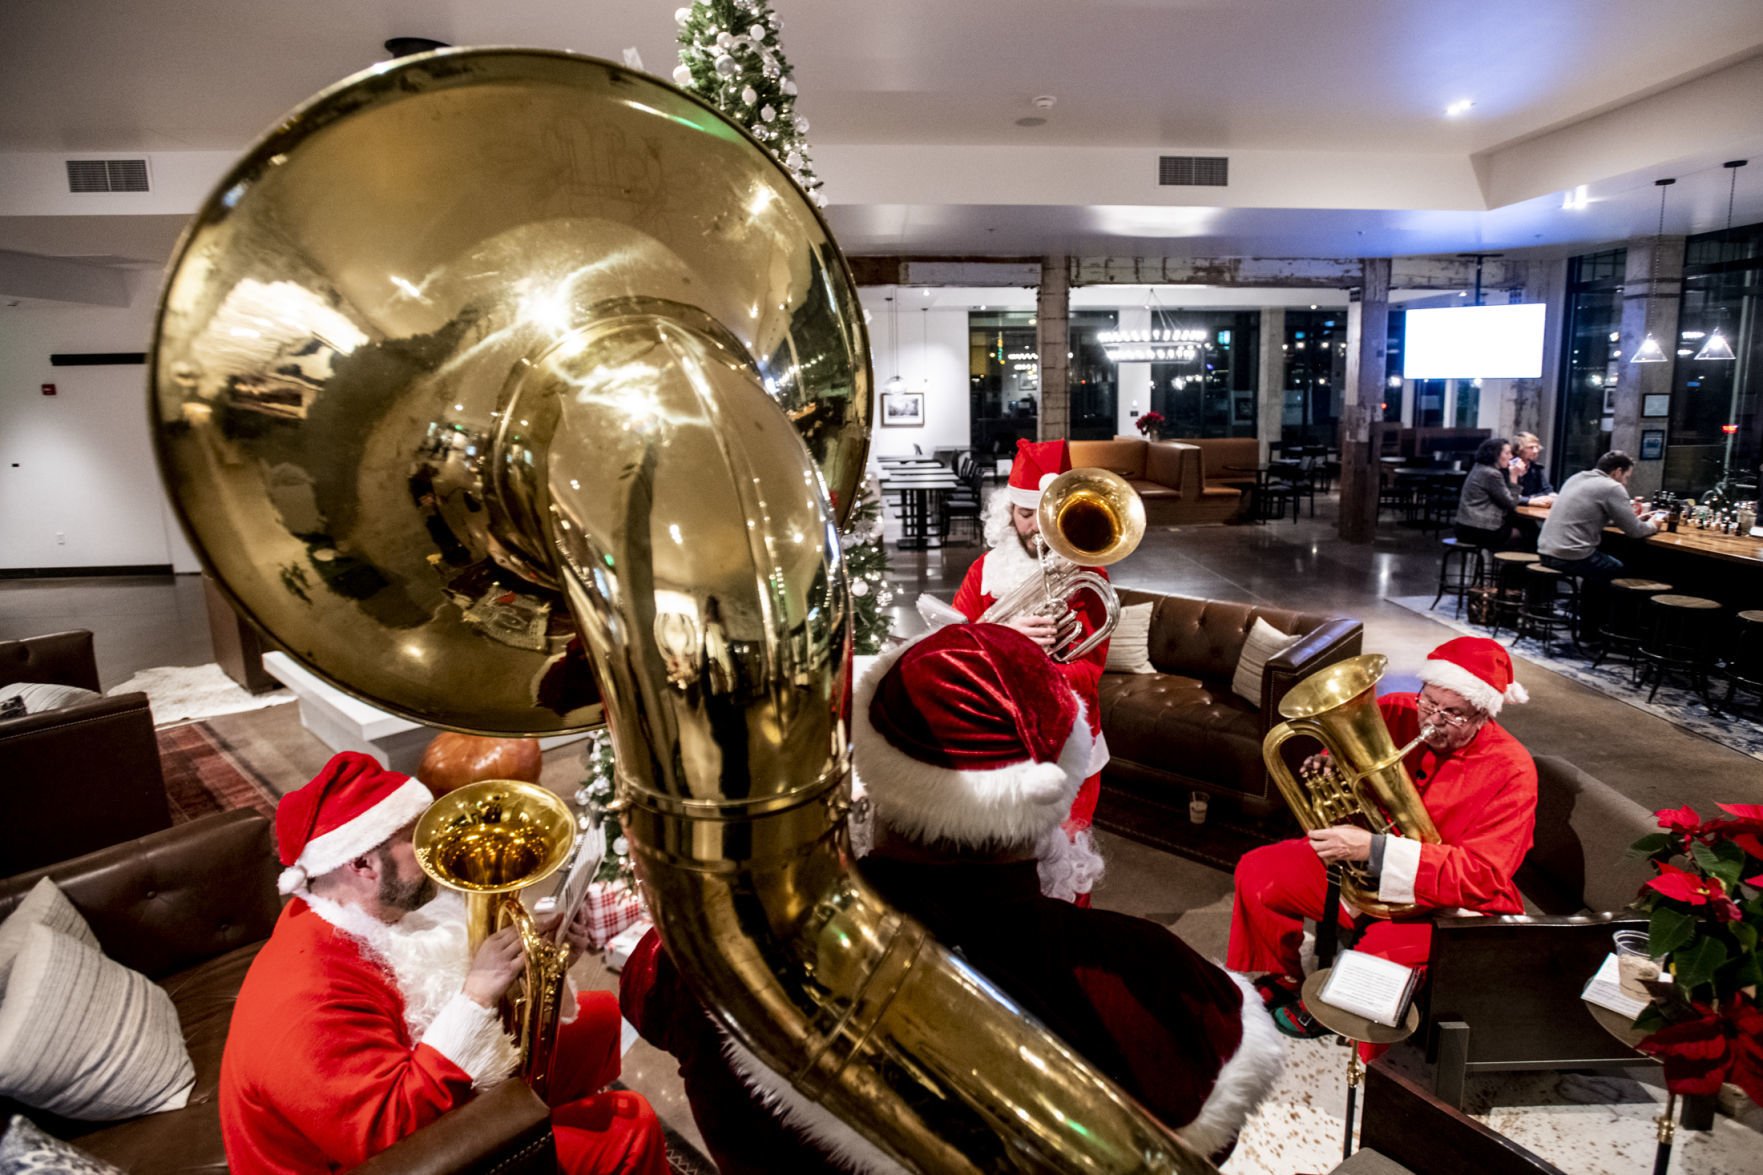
point(1151, 425)
point(1705, 906)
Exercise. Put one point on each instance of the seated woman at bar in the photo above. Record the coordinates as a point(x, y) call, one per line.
point(1485, 512)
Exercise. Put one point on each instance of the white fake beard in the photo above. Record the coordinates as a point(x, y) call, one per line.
point(426, 951)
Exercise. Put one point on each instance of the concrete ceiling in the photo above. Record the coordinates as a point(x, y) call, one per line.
point(1333, 115)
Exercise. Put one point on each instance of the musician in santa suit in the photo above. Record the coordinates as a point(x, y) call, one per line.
point(1011, 524)
point(972, 747)
point(364, 1019)
point(1479, 786)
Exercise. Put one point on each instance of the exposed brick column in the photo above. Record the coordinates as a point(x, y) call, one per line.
point(1053, 341)
point(1368, 324)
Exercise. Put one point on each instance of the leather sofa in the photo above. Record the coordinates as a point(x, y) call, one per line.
point(1226, 463)
point(98, 757)
point(189, 907)
point(1182, 729)
point(1167, 476)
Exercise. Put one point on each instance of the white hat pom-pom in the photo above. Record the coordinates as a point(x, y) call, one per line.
point(1517, 693)
point(292, 880)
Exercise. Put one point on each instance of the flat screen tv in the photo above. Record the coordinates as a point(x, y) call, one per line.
point(1474, 342)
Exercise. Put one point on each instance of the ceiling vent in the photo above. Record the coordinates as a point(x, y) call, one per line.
point(1193, 171)
point(107, 175)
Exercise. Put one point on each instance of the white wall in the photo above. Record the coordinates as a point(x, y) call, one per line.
point(78, 485)
point(932, 358)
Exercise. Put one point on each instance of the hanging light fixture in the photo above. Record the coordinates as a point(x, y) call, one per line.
point(896, 384)
point(1717, 348)
point(1650, 351)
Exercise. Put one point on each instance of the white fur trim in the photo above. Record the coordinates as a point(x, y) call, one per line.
point(828, 1131)
point(291, 880)
point(1517, 693)
point(1005, 566)
point(997, 525)
point(1245, 1080)
point(363, 834)
point(353, 921)
point(1011, 805)
point(1452, 676)
point(1099, 754)
point(470, 1035)
point(1027, 499)
point(1068, 863)
point(1401, 865)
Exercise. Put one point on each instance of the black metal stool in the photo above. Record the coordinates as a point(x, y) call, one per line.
point(1508, 598)
point(1541, 614)
point(1623, 622)
point(1461, 567)
point(1680, 638)
point(1744, 664)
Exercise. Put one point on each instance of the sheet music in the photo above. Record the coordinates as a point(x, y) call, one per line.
point(584, 862)
point(1368, 986)
point(1605, 990)
point(936, 613)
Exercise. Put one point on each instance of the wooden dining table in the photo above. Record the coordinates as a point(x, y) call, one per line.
point(920, 491)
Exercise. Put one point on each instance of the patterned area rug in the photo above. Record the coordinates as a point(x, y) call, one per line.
point(1676, 704)
point(179, 693)
point(204, 775)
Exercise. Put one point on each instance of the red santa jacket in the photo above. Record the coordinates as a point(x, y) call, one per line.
point(1001, 568)
point(319, 1072)
point(1173, 1030)
point(1482, 799)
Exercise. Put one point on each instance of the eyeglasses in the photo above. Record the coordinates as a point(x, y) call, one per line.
point(1428, 706)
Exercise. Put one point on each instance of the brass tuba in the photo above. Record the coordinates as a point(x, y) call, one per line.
point(1365, 784)
point(1088, 518)
point(489, 841)
point(475, 368)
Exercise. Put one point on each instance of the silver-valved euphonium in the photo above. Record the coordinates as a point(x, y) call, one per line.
point(1089, 518)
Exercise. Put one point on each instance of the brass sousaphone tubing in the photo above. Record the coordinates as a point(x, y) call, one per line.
point(474, 386)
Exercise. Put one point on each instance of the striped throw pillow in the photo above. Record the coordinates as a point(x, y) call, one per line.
point(85, 1037)
point(47, 906)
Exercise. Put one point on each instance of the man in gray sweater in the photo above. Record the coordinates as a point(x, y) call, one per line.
point(1588, 502)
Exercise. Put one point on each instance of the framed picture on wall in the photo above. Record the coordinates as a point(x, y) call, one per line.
point(1243, 410)
point(1656, 404)
point(1652, 444)
point(902, 409)
point(1609, 400)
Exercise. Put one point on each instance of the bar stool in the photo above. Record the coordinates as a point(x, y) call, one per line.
point(1623, 623)
point(1744, 665)
point(1680, 638)
point(1541, 613)
point(1461, 567)
point(1508, 598)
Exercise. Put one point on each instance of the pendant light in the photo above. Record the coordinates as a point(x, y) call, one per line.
point(896, 384)
point(1650, 351)
point(1717, 348)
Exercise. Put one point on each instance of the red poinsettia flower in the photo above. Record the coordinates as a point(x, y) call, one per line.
point(1750, 813)
point(1747, 1047)
point(1697, 1053)
point(1750, 842)
point(1682, 819)
point(1684, 886)
point(1727, 910)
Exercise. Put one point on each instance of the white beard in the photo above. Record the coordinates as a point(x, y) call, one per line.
point(427, 954)
point(1006, 565)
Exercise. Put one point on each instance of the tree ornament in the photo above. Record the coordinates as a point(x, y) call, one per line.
point(681, 15)
point(859, 588)
point(757, 32)
point(725, 38)
point(682, 75)
point(726, 67)
point(789, 87)
point(749, 96)
point(801, 125)
point(793, 160)
point(767, 113)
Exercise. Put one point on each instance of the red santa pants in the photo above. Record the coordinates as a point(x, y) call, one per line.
point(610, 1133)
point(1278, 886)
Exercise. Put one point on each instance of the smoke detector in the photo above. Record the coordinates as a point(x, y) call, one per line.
point(1045, 102)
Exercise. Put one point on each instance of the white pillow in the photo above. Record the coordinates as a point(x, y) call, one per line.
point(1129, 646)
point(85, 1037)
point(39, 696)
point(1264, 642)
point(47, 906)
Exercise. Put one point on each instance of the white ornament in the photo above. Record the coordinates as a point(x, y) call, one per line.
point(789, 86)
point(757, 32)
point(682, 75)
point(793, 160)
point(621, 846)
point(682, 15)
point(801, 125)
point(726, 67)
point(859, 588)
point(749, 96)
point(767, 113)
point(724, 39)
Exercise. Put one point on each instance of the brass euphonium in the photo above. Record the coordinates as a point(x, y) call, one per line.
point(489, 370)
point(1365, 784)
point(489, 841)
point(1088, 518)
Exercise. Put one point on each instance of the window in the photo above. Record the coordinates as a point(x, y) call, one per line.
point(1716, 429)
point(1211, 390)
point(1005, 379)
point(1591, 362)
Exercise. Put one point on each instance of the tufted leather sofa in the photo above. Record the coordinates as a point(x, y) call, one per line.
point(100, 755)
point(189, 907)
point(1182, 729)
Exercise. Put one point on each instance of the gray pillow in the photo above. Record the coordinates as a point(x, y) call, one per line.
point(40, 696)
point(47, 906)
point(26, 1150)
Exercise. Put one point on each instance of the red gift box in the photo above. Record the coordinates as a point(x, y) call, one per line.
point(612, 906)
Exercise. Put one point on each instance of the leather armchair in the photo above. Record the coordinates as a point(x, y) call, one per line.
point(99, 759)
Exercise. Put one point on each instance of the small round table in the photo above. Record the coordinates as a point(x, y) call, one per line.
point(1623, 1029)
point(1357, 1029)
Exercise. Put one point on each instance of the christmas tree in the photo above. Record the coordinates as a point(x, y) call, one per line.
point(866, 563)
point(592, 797)
point(730, 56)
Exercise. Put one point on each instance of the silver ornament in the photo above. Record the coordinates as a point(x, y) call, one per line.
point(801, 125)
point(793, 160)
point(757, 32)
point(726, 67)
point(767, 113)
point(859, 589)
point(682, 75)
point(749, 96)
point(724, 39)
point(789, 87)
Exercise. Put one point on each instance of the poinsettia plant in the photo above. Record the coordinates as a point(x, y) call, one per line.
point(1151, 423)
point(1705, 908)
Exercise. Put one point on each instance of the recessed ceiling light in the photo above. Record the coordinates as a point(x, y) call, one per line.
point(1459, 107)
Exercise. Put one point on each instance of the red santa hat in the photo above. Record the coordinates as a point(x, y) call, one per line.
point(969, 735)
point(1477, 668)
point(1037, 463)
point(351, 807)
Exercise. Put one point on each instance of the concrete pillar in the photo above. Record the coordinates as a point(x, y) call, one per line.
point(1272, 381)
point(1661, 290)
point(1368, 325)
point(1053, 341)
point(1132, 379)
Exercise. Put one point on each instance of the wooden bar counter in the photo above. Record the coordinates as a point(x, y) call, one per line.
point(1728, 568)
point(1735, 548)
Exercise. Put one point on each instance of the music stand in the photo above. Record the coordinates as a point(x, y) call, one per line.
point(1357, 1030)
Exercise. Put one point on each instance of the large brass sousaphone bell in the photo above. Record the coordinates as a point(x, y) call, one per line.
point(508, 388)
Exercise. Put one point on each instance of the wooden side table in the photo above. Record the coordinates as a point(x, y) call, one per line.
point(1357, 1030)
point(1698, 1112)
